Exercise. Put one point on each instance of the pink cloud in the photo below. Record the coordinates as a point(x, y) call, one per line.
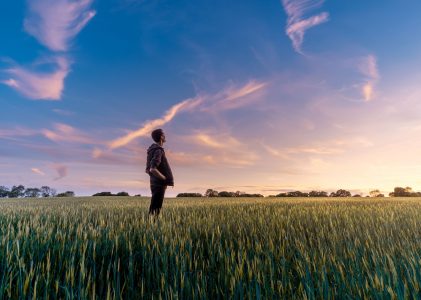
point(54, 23)
point(37, 171)
point(368, 67)
point(147, 127)
point(12, 133)
point(234, 96)
point(67, 133)
point(221, 149)
point(39, 85)
point(296, 24)
point(228, 98)
point(61, 171)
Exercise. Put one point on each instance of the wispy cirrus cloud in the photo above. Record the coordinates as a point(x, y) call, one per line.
point(148, 126)
point(220, 148)
point(37, 171)
point(234, 96)
point(221, 141)
point(297, 24)
point(39, 85)
point(66, 133)
point(368, 67)
point(59, 132)
point(326, 148)
point(55, 23)
point(229, 98)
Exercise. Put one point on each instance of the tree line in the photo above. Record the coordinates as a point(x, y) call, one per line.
point(397, 192)
point(214, 193)
point(19, 191)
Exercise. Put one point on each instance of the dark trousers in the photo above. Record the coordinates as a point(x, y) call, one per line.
point(158, 192)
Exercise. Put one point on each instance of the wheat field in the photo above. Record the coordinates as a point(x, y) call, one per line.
point(233, 248)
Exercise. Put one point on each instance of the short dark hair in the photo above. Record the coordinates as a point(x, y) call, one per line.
point(156, 135)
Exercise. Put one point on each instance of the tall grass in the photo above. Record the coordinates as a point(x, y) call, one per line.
point(107, 248)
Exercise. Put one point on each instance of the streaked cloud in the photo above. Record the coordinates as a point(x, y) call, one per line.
point(327, 148)
point(17, 132)
point(148, 126)
point(59, 133)
point(234, 96)
point(39, 85)
point(297, 24)
point(220, 142)
point(66, 133)
point(55, 23)
point(368, 67)
point(219, 148)
point(61, 170)
point(247, 89)
point(285, 153)
point(226, 99)
point(37, 171)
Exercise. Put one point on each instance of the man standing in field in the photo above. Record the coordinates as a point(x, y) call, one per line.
point(159, 170)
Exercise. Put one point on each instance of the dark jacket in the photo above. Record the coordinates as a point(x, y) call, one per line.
point(156, 159)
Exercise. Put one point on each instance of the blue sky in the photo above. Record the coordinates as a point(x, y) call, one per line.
point(256, 96)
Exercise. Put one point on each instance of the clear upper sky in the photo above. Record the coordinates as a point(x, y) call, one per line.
point(256, 96)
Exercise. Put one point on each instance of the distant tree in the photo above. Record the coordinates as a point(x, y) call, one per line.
point(32, 192)
point(226, 194)
point(282, 195)
point(340, 193)
point(317, 194)
point(17, 191)
point(401, 192)
point(293, 194)
point(66, 194)
point(103, 194)
point(356, 195)
point(4, 192)
point(211, 193)
point(376, 193)
point(53, 192)
point(252, 195)
point(138, 195)
point(46, 191)
point(297, 194)
point(122, 194)
point(239, 194)
point(189, 195)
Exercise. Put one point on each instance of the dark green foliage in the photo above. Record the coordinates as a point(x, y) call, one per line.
point(4, 192)
point(66, 194)
point(124, 194)
point(317, 194)
point(103, 194)
point(340, 193)
point(107, 194)
point(32, 192)
point(226, 194)
point(293, 194)
point(404, 192)
point(189, 195)
point(17, 191)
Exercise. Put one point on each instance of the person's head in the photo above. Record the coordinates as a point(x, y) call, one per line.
point(158, 136)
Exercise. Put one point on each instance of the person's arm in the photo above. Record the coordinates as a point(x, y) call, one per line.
point(156, 173)
point(155, 162)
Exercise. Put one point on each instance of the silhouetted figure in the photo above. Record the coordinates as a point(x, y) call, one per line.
point(159, 170)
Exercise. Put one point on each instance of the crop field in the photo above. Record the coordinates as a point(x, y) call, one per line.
point(233, 248)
